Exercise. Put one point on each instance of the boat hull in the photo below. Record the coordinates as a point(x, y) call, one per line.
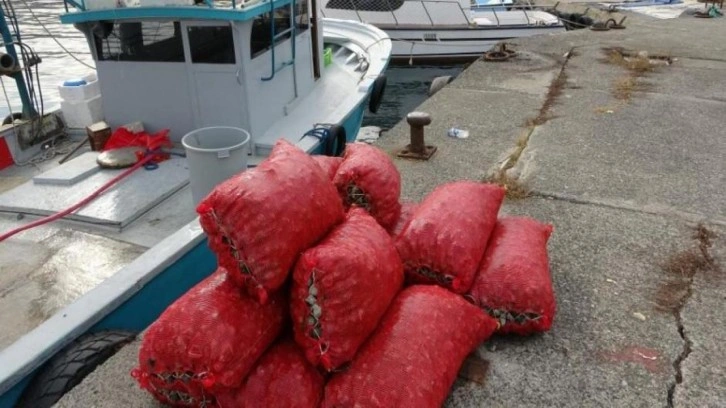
point(447, 44)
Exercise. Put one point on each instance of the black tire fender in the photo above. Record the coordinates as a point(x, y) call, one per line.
point(379, 87)
point(336, 141)
point(11, 118)
point(70, 366)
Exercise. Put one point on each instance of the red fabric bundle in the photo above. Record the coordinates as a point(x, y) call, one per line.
point(122, 137)
point(260, 220)
point(329, 164)
point(413, 358)
point(513, 284)
point(282, 378)
point(447, 235)
point(368, 178)
point(206, 342)
point(342, 288)
point(407, 210)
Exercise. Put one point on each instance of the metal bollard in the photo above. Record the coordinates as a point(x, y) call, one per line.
point(417, 149)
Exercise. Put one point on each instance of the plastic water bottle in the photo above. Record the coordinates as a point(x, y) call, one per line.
point(458, 133)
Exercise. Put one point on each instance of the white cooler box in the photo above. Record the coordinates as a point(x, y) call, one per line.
point(81, 101)
point(78, 115)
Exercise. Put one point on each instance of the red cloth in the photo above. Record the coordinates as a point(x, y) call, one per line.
point(122, 137)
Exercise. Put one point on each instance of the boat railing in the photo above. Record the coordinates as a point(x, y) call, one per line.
point(526, 7)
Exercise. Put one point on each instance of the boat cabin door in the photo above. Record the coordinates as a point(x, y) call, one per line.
point(215, 74)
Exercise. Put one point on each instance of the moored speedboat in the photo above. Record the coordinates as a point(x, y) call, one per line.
point(446, 30)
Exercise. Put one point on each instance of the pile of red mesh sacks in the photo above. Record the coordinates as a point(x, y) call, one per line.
point(330, 292)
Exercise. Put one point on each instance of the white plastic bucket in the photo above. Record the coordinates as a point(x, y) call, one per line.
point(214, 154)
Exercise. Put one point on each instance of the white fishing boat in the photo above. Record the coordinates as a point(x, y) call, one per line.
point(266, 69)
point(445, 29)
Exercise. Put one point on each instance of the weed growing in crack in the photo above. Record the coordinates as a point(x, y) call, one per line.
point(515, 188)
point(637, 65)
point(553, 94)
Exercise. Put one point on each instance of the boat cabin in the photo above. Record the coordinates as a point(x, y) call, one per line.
point(183, 68)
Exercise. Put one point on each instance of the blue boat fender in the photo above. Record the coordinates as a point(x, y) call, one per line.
point(379, 86)
point(70, 366)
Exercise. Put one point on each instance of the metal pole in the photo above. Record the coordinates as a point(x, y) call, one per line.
point(28, 109)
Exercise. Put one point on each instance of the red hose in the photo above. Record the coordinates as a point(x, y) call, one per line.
point(81, 203)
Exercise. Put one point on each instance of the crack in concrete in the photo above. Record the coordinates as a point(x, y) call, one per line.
point(650, 210)
point(674, 294)
point(687, 343)
point(514, 186)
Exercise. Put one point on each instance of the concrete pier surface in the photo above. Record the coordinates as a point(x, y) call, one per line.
point(617, 138)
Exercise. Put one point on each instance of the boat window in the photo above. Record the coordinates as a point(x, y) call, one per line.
point(141, 41)
point(211, 44)
point(365, 5)
point(261, 38)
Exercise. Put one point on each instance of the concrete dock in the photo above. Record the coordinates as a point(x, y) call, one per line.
point(618, 139)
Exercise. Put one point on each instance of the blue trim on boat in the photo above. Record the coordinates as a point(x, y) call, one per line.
point(8, 399)
point(354, 120)
point(137, 313)
point(175, 13)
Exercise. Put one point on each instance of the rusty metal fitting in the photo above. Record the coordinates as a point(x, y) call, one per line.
point(617, 25)
point(501, 53)
point(417, 149)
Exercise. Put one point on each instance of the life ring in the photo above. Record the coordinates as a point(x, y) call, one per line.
point(335, 145)
point(379, 86)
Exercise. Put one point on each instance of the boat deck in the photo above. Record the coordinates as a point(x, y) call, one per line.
point(50, 266)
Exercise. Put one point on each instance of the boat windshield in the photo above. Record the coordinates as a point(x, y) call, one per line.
point(365, 5)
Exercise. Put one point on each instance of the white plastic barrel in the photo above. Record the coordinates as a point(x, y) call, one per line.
point(214, 154)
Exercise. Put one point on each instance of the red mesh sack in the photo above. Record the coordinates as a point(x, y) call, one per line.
point(282, 378)
point(329, 164)
point(341, 289)
point(206, 342)
point(368, 178)
point(407, 210)
point(260, 220)
point(513, 284)
point(413, 358)
point(445, 239)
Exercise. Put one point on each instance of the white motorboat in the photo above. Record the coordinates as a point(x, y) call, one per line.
point(445, 29)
